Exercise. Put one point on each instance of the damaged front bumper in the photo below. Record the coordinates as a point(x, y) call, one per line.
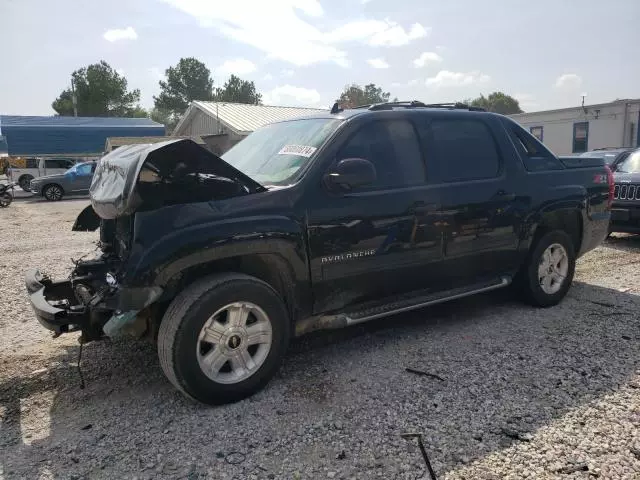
point(96, 307)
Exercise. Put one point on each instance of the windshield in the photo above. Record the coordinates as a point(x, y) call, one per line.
point(81, 169)
point(631, 164)
point(273, 155)
point(609, 156)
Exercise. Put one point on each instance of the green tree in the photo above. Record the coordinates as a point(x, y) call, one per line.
point(354, 95)
point(497, 102)
point(238, 91)
point(164, 117)
point(100, 92)
point(189, 80)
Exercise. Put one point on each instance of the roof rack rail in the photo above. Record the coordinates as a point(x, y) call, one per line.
point(457, 106)
point(419, 104)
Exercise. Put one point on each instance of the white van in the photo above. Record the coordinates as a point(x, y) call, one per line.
point(38, 167)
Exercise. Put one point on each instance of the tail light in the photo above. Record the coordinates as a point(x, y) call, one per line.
point(611, 185)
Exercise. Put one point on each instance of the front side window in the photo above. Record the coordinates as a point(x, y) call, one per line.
point(84, 169)
point(32, 163)
point(462, 150)
point(580, 137)
point(393, 149)
point(274, 154)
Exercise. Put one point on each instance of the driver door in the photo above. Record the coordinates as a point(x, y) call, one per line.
point(378, 240)
point(84, 175)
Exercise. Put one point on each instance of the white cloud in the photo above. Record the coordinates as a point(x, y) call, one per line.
point(288, 95)
point(378, 63)
point(376, 33)
point(283, 30)
point(156, 73)
point(238, 66)
point(120, 34)
point(287, 72)
point(568, 81)
point(445, 78)
point(120, 71)
point(268, 77)
point(426, 59)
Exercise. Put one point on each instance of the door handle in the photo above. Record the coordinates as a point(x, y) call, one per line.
point(504, 195)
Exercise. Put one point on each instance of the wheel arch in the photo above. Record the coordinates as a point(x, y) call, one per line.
point(47, 185)
point(271, 268)
point(567, 219)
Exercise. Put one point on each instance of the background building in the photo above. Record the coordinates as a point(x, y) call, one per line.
point(113, 143)
point(70, 137)
point(568, 131)
point(221, 125)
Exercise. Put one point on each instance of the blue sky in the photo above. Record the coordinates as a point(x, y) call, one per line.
point(302, 52)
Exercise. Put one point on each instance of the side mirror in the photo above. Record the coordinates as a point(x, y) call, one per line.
point(351, 173)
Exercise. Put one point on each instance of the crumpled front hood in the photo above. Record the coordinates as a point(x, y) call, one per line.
point(150, 176)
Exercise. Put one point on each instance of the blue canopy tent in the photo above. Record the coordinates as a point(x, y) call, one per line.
point(43, 136)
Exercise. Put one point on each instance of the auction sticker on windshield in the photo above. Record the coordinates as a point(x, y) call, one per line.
point(300, 150)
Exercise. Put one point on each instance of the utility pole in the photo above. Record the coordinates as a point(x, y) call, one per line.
point(74, 99)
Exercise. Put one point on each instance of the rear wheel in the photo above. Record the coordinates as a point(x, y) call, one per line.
point(223, 338)
point(25, 182)
point(53, 192)
point(549, 270)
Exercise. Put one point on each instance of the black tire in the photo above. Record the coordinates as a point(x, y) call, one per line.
point(24, 182)
point(53, 192)
point(184, 319)
point(529, 280)
point(5, 200)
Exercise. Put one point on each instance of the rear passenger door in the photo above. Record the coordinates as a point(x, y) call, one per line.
point(378, 240)
point(480, 224)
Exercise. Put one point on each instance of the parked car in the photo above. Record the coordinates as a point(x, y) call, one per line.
point(320, 222)
point(75, 181)
point(38, 167)
point(611, 156)
point(625, 215)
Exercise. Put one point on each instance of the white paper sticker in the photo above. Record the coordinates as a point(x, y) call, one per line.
point(300, 150)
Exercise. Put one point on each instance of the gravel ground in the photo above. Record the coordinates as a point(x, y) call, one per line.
point(525, 393)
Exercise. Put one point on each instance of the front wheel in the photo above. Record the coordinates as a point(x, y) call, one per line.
point(223, 338)
point(53, 192)
point(549, 270)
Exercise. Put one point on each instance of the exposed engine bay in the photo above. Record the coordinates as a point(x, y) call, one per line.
point(97, 298)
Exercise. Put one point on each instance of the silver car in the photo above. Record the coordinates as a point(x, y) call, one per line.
point(75, 181)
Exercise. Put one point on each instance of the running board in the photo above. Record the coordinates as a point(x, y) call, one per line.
point(348, 318)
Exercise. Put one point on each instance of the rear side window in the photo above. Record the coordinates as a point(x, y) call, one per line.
point(535, 156)
point(56, 163)
point(461, 150)
point(393, 149)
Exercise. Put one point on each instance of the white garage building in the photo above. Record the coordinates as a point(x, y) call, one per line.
point(222, 124)
point(569, 131)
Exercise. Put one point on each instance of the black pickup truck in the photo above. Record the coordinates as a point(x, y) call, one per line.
point(315, 223)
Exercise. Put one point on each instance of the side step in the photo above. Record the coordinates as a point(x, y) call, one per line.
point(402, 304)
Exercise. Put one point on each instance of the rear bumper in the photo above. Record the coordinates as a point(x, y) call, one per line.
point(54, 303)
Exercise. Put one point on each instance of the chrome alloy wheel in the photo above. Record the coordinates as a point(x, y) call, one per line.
point(234, 342)
point(553, 268)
